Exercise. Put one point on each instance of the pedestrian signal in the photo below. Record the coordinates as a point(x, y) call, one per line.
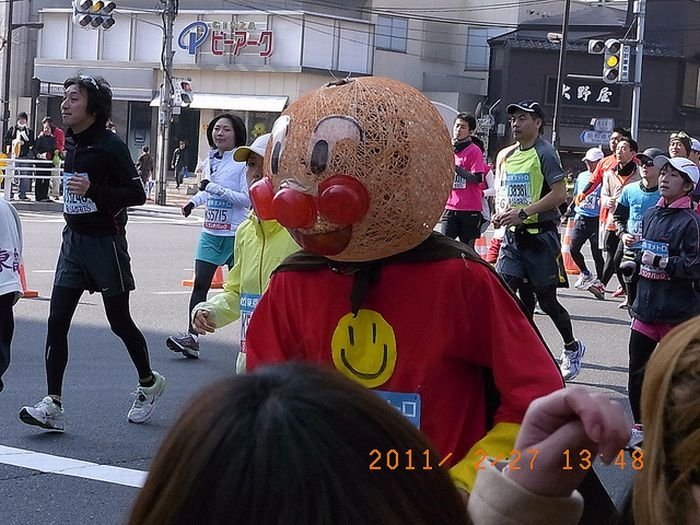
point(183, 95)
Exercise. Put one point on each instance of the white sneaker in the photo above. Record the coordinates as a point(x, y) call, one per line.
point(584, 281)
point(570, 366)
point(45, 414)
point(145, 402)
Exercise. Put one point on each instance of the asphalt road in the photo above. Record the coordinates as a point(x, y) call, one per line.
point(100, 377)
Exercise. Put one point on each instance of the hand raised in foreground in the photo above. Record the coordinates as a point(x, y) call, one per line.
point(572, 419)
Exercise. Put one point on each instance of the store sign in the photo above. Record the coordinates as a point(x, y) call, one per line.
point(225, 36)
point(589, 93)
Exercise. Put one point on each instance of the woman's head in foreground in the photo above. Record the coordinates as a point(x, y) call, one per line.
point(290, 444)
point(668, 489)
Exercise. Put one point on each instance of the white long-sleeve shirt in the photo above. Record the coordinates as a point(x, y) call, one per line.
point(226, 196)
point(10, 249)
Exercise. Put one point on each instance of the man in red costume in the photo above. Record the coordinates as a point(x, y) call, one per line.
point(359, 172)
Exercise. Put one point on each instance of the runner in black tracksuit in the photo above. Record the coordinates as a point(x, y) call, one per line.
point(100, 181)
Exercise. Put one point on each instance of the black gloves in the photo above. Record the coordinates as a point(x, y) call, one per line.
point(187, 209)
point(203, 185)
point(474, 178)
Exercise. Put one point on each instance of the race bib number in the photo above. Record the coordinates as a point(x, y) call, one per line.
point(248, 302)
point(75, 204)
point(408, 404)
point(650, 272)
point(218, 215)
point(590, 202)
point(460, 182)
point(518, 189)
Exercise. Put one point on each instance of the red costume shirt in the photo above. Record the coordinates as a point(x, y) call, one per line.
point(425, 337)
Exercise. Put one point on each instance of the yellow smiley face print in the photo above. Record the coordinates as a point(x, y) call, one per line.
point(364, 348)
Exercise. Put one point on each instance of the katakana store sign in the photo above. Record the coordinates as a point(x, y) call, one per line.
point(588, 93)
point(231, 37)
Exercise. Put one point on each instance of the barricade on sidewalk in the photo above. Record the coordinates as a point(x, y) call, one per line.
point(32, 169)
point(216, 282)
point(569, 264)
point(28, 293)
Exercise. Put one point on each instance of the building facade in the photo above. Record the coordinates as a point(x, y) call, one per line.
point(524, 65)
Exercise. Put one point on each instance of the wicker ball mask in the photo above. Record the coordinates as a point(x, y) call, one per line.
point(358, 170)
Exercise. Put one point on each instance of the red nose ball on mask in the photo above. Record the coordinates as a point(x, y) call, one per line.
point(294, 209)
point(261, 194)
point(343, 200)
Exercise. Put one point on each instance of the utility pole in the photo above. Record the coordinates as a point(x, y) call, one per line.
point(639, 11)
point(8, 58)
point(165, 110)
point(561, 74)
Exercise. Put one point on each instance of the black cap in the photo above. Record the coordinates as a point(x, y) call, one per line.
point(650, 154)
point(22, 115)
point(528, 106)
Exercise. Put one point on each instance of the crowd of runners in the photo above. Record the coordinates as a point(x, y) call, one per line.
point(333, 262)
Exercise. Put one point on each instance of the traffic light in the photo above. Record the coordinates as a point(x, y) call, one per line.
point(612, 61)
point(596, 47)
point(93, 14)
point(183, 92)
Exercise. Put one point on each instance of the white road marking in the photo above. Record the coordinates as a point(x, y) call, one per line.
point(43, 271)
point(50, 464)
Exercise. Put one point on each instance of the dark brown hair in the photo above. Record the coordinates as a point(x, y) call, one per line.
point(290, 444)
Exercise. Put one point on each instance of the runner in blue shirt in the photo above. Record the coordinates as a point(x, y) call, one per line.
point(634, 201)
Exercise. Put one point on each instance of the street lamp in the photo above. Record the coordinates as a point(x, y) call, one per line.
point(561, 73)
point(8, 61)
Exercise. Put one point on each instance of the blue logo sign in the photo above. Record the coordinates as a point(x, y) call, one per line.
point(193, 36)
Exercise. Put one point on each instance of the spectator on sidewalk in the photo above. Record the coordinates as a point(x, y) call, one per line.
point(144, 167)
point(45, 148)
point(180, 162)
point(19, 142)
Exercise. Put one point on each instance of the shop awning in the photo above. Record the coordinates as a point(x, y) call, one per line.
point(261, 103)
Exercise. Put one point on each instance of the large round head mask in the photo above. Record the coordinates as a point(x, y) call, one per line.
point(358, 170)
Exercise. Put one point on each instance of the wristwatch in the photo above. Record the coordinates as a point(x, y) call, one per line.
point(522, 214)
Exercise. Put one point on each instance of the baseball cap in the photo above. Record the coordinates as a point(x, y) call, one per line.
point(649, 154)
point(528, 106)
point(258, 146)
point(695, 145)
point(593, 155)
point(22, 115)
point(681, 164)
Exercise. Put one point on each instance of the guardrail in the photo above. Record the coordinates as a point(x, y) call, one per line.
point(12, 170)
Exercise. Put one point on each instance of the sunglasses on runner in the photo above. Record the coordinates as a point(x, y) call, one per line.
point(87, 79)
point(680, 135)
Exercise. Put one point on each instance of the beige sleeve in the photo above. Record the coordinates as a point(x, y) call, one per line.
point(497, 500)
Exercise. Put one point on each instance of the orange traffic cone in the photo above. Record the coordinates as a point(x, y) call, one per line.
point(23, 280)
point(569, 264)
point(216, 282)
point(481, 247)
